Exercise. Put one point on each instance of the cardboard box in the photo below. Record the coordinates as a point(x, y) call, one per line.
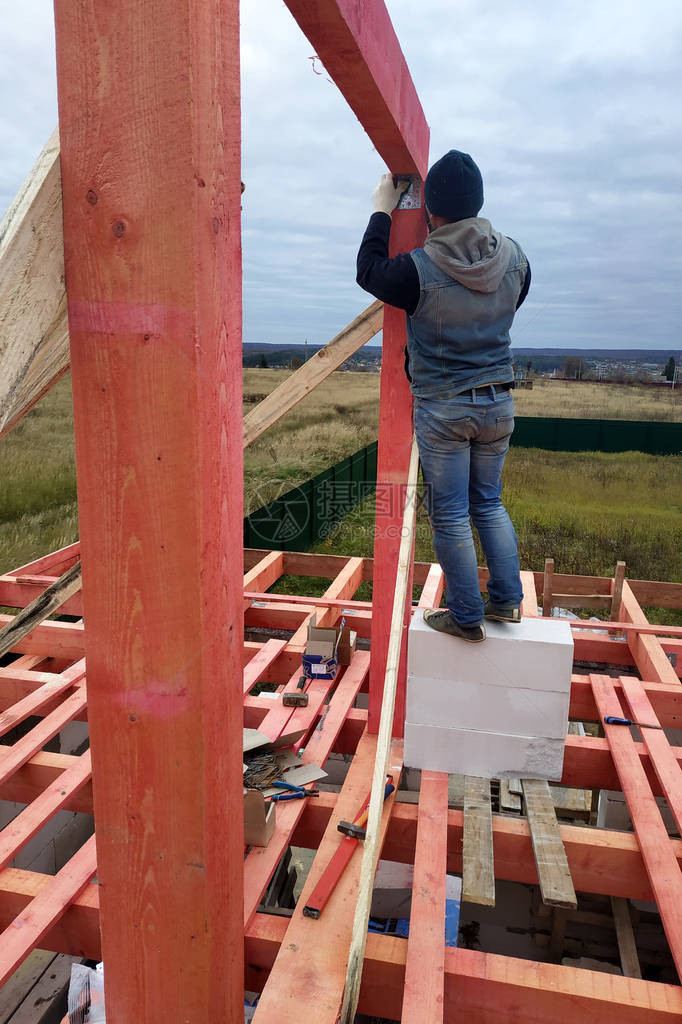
point(259, 819)
point(347, 643)
point(320, 659)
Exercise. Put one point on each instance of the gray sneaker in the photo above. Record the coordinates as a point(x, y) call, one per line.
point(442, 620)
point(502, 612)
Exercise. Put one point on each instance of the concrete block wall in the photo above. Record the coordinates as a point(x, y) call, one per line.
point(497, 709)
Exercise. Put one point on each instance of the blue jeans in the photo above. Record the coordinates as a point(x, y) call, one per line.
point(462, 445)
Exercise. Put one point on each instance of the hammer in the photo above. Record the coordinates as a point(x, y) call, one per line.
point(354, 829)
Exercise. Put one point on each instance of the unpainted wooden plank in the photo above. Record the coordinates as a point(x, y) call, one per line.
point(16, 988)
point(547, 584)
point(617, 595)
point(558, 934)
point(304, 380)
point(627, 947)
point(395, 661)
point(530, 597)
point(509, 799)
point(34, 334)
point(478, 868)
point(554, 876)
point(47, 1000)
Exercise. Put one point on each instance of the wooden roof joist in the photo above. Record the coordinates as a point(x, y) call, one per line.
point(606, 862)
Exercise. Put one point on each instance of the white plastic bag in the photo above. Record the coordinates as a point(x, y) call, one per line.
point(86, 995)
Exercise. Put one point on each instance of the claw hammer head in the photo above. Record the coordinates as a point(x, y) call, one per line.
point(351, 830)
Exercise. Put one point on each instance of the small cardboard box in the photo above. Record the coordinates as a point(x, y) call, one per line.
point(346, 648)
point(321, 659)
point(259, 819)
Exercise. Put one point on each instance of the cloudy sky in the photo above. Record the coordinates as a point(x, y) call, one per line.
point(571, 109)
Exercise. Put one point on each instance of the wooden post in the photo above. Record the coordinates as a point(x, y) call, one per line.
point(548, 582)
point(395, 439)
point(617, 593)
point(150, 152)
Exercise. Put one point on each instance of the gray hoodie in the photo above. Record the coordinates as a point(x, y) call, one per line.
point(471, 252)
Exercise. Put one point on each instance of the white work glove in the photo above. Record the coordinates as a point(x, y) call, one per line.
point(385, 196)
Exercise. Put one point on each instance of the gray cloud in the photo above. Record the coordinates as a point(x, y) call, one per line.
point(571, 110)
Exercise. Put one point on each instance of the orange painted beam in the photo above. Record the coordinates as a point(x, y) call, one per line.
point(54, 563)
point(601, 860)
point(647, 651)
point(149, 115)
point(485, 987)
point(395, 442)
point(27, 930)
point(658, 853)
point(309, 974)
point(665, 698)
point(425, 965)
point(260, 864)
point(359, 48)
point(661, 754)
point(56, 795)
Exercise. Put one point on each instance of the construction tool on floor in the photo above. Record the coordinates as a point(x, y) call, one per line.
point(292, 792)
point(296, 699)
point(353, 833)
point(614, 720)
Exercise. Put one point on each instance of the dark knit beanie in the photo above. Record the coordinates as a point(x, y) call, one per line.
point(454, 188)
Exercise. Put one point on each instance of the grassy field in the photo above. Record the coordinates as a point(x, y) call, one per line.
point(585, 510)
point(575, 400)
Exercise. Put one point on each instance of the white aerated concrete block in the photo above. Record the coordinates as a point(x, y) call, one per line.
point(496, 709)
point(511, 710)
point(534, 654)
point(485, 755)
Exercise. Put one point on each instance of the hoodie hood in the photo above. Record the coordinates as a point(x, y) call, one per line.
point(471, 252)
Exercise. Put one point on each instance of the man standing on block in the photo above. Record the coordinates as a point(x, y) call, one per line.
point(460, 293)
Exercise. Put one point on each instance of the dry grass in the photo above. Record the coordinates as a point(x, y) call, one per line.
point(38, 511)
point(338, 418)
point(575, 400)
point(570, 399)
point(583, 509)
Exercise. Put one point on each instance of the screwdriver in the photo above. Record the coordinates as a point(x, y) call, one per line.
point(614, 720)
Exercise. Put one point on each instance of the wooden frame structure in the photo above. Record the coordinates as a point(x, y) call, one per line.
point(299, 963)
point(152, 256)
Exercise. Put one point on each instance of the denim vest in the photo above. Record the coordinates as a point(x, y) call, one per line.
point(458, 338)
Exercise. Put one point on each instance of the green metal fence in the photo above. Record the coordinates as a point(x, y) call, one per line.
point(565, 435)
point(304, 515)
